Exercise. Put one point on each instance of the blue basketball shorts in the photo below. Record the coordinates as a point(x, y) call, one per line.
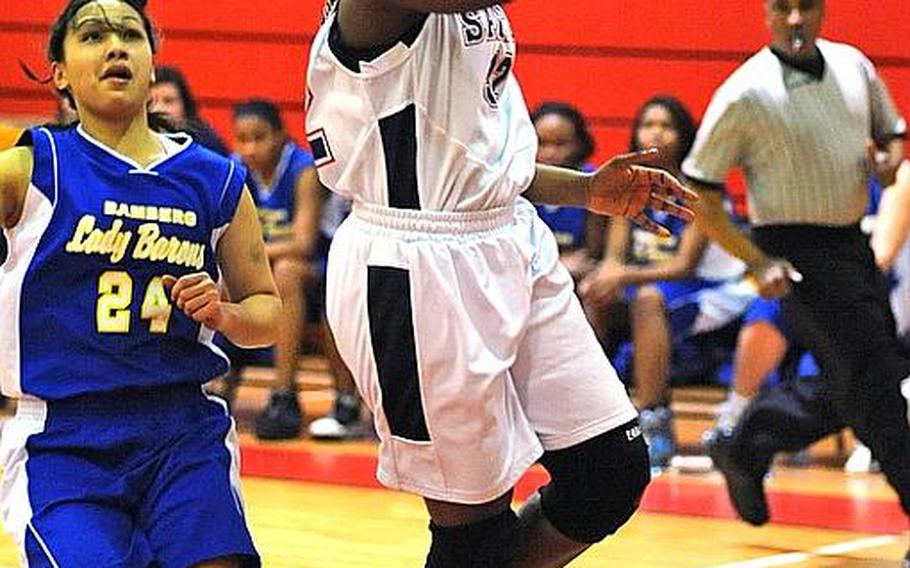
point(131, 478)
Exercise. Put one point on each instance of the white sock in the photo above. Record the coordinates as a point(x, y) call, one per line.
point(731, 410)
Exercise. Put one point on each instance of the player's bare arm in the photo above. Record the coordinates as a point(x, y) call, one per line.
point(624, 186)
point(15, 173)
point(366, 24)
point(893, 223)
point(772, 275)
point(250, 319)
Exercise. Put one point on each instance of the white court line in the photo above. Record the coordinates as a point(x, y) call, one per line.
point(797, 557)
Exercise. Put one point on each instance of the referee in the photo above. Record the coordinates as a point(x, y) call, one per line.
point(798, 118)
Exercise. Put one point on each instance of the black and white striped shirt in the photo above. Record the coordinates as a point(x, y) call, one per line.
point(800, 141)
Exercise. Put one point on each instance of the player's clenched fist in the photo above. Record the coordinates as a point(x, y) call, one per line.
point(198, 296)
point(626, 186)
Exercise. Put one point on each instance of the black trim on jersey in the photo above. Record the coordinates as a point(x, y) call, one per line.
point(392, 335)
point(399, 142)
point(351, 58)
point(25, 140)
point(814, 66)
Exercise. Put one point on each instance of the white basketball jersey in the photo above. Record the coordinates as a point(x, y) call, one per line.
point(436, 122)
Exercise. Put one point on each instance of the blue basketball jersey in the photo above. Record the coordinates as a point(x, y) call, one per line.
point(84, 307)
point(646, 247)
point(567, 223)
point(275, 202)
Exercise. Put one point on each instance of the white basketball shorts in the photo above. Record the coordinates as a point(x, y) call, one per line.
point(469, 345)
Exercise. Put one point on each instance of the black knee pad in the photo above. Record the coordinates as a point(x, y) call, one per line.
point(596, 485)
point(484, 544)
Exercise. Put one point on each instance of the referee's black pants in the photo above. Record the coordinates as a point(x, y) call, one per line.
point(841, 312)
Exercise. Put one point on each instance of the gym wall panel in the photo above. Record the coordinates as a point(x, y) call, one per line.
point(606, 56)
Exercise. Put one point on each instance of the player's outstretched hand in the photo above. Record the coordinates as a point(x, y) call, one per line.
point(198, 296)
point(625, 186)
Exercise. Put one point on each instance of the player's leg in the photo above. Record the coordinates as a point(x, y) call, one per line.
point(652, 342)
point(64, 487)
point(193, 510)
point(651, 338)
point(480, 536)
point(594, 451)
point(430, 341)
point(282, 416)
point(784, 418)
point(760, 348)
point(595, 489)
point(852, 335)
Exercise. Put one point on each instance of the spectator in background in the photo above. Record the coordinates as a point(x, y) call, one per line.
point(172, 97)
point(888, 223)
point(298, 218)
point(674, 295)
point(564, 140)
point(891, 247)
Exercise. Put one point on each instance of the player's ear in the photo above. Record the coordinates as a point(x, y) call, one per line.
point(58, 76)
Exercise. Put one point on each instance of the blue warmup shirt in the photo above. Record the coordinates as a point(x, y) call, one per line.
point(568, 223)
point(275, 203)
point(84, 309)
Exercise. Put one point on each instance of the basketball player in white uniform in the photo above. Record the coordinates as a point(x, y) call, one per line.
point(445, 292)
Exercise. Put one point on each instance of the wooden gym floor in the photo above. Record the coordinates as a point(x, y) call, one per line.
point(316, 505)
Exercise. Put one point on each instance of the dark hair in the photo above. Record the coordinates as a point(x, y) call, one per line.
point(261, 108)
point(574, 116)
point(682, 121)
point(172, 75)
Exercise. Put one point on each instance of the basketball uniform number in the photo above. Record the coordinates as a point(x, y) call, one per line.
point(115, 294)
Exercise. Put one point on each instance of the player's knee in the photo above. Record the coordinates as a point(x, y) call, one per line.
point(483, 544)
point(596, 485)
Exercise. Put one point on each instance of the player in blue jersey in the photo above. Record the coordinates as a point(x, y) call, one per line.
point(117, 234)
point(298, 218)
point(674, 295)
point(172, 97)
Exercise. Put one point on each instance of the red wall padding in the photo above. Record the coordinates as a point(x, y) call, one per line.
point(606, 56)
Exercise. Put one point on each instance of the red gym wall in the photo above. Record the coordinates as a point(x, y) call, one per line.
point(606, 56)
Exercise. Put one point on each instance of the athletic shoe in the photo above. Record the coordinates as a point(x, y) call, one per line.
point(281, 418)
point(657, 428)
point(860, 461)
point(746, 491)
point(342, 423)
